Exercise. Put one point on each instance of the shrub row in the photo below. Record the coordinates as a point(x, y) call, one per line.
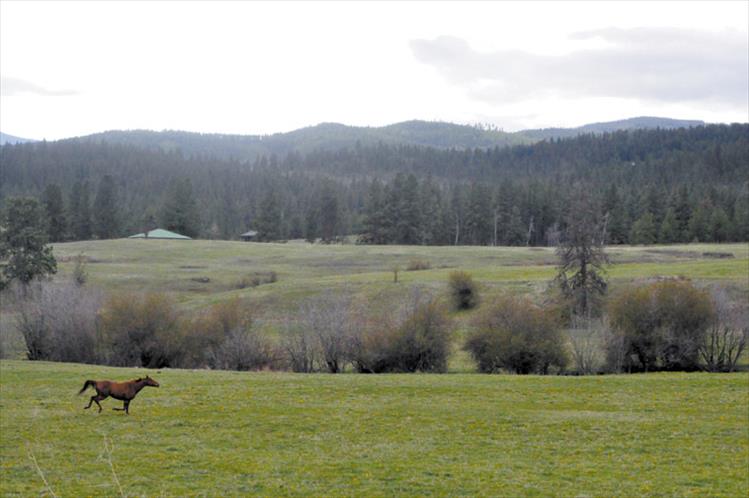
point(668, 325)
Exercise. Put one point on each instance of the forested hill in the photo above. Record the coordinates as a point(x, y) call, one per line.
point(655, 185)
point(333, 136)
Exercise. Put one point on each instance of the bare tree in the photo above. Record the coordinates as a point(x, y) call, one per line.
point(586, 339)
point(58, 322)
point(727, 335)
point(329, 320)
point(298, 345)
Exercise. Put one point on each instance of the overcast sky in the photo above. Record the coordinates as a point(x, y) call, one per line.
point(74, 68)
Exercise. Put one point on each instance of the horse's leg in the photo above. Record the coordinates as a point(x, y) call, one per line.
point(99, 397)
point(125, 404)
point(127, 407)
point(90, 402)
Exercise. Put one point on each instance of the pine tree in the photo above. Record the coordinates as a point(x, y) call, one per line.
point(329, 213)
point(683, 211)
point(479, 216)
point(23, 242)
point(741, 215)
point(57, 223)
point(408, 224)
point(106, 217)
point(80, 211)
point(269, 218)
point(644, 230)
point(699, 223)
point(180, 212)
point(582, 258)
point(374, 215)
point(719, 228)
point(669, 231)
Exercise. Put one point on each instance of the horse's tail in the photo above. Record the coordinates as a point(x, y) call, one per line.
point(86, 384)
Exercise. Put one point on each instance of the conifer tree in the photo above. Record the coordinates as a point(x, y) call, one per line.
point(269, 218)
point(80, 211)
point(180, 212)
point(57, 223)
point(644, 230)
point(106, 216)
point(669, 230)
point(23, 248)
point(582, 258)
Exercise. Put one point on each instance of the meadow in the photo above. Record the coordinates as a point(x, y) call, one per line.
point(216, 433)
point(206, 433)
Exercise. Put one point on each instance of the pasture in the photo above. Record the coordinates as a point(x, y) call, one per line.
point(182, 267)
point(278, 434)
point(216, 433)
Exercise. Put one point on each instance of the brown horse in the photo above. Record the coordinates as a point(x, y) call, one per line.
point(124, 391)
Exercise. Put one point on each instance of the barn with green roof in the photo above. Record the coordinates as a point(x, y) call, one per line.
point(159, 233)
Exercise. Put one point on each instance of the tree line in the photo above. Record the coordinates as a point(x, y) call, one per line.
point(653, 186)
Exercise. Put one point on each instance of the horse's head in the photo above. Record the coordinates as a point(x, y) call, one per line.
point(150, 382)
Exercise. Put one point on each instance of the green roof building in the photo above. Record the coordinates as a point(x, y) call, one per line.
point(159, 233)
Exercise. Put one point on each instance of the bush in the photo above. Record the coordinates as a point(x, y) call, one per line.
point(661, 326)
point(587, 338)
point(255, 279)
point(244, 349)
point(514, 334)
point(418, 265)
point(415, 340)
point(329, 320)
point(726, 336)
point(464, 293)
point(141, 331)
point(58, 322)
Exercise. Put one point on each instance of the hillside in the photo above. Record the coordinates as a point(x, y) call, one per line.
point(11, 139)
point(639, 123)
point(688, 183)
point(335, 136)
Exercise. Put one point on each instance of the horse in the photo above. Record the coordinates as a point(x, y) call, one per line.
point(124, 391)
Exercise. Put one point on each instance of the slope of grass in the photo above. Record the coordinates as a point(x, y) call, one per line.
point(182, 267)
point(279, 434)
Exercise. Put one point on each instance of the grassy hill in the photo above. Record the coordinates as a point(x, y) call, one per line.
point(229, 433)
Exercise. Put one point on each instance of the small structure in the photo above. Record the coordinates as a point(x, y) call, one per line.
point(248, 236)
point(159, 233)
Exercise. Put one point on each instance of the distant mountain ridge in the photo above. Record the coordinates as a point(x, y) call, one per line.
point(11, 139)
point(335, 136)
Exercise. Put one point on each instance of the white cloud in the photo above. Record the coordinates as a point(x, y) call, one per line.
point(16, 86)
point(647, 64)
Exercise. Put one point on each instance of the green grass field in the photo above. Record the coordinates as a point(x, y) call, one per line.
point(280, 434)
point(304, 269)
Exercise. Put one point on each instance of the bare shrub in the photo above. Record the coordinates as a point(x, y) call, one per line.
point(329, 320)
point(300, 349)
point(726, 336)
point(464, 294)
point(244, 349)
point(418, 265)
point(587, 338)
point(141, 330)
point(80, 273)
point(516, 335)
point(58, 322)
